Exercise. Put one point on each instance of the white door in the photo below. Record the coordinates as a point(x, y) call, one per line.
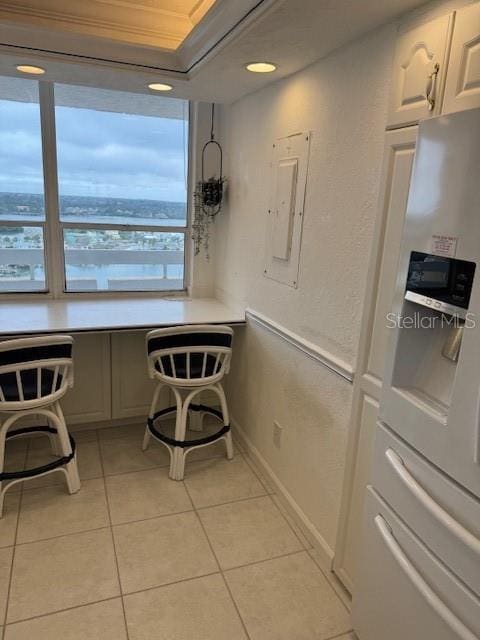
point(418, 73)
point(462, 89)
point(397, 166)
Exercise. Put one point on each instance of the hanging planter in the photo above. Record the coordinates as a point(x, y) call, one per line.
point(208, 197)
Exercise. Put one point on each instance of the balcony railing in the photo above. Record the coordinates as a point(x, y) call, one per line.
point(89, 258)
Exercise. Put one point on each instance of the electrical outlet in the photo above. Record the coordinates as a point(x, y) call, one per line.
point(277, 434)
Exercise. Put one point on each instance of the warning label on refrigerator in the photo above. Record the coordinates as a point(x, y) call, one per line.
point(444, 245)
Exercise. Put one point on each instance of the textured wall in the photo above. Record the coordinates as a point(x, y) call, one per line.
point(342, 100)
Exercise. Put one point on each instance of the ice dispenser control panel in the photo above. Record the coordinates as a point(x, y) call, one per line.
point(441, 283)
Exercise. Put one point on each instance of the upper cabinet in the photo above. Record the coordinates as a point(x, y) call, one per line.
point(462, 89)
point(418, 73)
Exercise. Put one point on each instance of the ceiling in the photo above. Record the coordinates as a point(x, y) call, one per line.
point(200, 47)
point(162, 24)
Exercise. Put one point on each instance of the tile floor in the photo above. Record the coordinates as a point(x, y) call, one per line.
point(137, 556)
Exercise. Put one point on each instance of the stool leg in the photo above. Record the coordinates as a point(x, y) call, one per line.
point(226, 420)
point(3, 434)
point(180, 466)
point(196, 420)
point(153, 406)
point(146, 439)
point(73, 479)
point(54, 441)
point(177, 462)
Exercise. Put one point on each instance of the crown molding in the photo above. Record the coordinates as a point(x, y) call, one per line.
point(42, 43)
point(174, 27)
point(199, 10)
point(147, 8)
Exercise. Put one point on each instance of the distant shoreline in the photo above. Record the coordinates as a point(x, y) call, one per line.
point(23, 206)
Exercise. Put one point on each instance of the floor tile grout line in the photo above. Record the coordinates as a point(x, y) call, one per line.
point(280, 510)
point(324, 574)
point(235, 501)
point(113, 540)
point(159, 515)
point(341, 635)
point(220, 568)
point(254, 562)
point(257, 474)
point(14, 548)
point(271, 494)
point(62, 535)
point(53, 613)
point(171, 584)
point(227, 587)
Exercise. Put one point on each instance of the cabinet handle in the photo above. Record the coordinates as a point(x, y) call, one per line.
point(450, 619)
point(432, 87)
point(454, 527)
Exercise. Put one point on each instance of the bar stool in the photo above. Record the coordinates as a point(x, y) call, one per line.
point(188, 360)
point(34, 374)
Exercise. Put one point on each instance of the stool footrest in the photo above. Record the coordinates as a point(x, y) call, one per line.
point(31, 473)
point(187, 443)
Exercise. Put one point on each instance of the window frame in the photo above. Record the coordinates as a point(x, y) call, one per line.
point(53, 242)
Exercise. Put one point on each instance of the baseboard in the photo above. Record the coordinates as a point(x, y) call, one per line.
point(324, 552)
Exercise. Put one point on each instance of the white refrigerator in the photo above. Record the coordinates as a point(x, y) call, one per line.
point(419, 571)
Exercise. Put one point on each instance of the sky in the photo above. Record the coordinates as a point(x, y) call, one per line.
point(98, 153)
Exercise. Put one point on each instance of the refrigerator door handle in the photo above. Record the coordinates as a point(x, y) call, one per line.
point(456, 625)
point(465, 536)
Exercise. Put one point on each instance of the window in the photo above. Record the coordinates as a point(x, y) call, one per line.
point(118, 213)
point(22, 208)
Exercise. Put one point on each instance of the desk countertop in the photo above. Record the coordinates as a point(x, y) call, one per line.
point(52, 316)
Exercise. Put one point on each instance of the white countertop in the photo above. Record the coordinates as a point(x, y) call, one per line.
point(48, 316)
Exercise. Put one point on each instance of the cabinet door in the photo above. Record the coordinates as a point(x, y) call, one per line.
point(397, 168)
point(462, 89)
point(418, 73)
point(132, 389)
point(367, 424)
point(90, 398)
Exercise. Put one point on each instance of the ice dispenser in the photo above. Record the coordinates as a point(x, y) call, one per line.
point(430, 329)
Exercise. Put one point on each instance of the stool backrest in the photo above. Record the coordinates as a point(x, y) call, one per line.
point(189, 355)
point(34, 370)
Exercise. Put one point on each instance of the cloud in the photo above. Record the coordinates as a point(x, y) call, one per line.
point(98, 153)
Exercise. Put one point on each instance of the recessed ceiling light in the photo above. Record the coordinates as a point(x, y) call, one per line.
point(27, 68)
point(160, 86)
point(260, 67)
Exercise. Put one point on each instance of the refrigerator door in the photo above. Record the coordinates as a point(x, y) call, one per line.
point(404, 591)
point(444, 516)
point(430, 399)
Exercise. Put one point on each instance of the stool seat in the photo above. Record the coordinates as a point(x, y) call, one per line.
point(34, 374)
point(29, 384)
point(188, 360)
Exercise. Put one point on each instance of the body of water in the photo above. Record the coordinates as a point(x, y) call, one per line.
point(148, 222)
point(102, 273)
